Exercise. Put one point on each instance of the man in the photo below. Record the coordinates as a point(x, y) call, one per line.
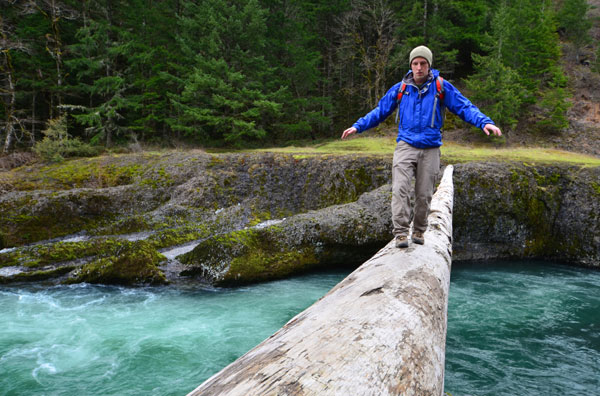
point(421, 99)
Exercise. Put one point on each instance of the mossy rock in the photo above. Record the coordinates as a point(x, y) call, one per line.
point(248, 256)
point(36, 276)
point(135, 264)
point(340, 235)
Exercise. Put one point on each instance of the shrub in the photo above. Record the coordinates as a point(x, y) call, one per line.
point(57, 144)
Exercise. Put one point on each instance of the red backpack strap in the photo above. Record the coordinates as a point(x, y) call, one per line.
point(401, 92)
point(439, 84)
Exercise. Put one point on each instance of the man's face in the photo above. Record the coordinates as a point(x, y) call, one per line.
point(420, 69)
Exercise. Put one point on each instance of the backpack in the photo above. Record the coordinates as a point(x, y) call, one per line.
point(439, 85)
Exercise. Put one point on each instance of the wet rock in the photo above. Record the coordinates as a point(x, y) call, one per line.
point(524, 211)
point(337, 235)
point(136, 263)
point(332, 209)
point(189, 185)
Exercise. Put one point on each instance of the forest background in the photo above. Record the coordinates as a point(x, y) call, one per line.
point(78, 76)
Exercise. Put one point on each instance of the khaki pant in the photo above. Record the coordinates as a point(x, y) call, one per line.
point(423, 165)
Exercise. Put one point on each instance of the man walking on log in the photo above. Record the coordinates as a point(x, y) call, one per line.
point(421, 99)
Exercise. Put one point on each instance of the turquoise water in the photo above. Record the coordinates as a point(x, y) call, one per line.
point(523, 329)
point(97, 340)
point(513, 329)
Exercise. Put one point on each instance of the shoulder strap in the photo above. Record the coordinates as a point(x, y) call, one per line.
point(439, 84)
point(401, 92)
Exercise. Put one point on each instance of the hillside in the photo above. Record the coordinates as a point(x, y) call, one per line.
point(583, 132)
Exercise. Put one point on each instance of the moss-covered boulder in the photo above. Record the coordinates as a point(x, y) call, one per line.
point(136, 263)
point(515, 210)
point(111, 194)
point(338, 235)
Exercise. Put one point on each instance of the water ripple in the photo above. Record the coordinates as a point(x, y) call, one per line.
point(523, 329)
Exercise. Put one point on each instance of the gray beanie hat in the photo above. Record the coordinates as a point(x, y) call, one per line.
point(423, 52)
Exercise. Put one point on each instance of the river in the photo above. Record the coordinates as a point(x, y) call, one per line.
point(513, 329)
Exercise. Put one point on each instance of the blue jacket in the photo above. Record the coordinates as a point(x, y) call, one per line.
point(421, 113)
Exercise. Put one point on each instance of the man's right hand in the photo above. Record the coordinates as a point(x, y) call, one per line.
point(349, 132)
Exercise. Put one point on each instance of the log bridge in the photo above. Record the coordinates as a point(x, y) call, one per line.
point(381, 331)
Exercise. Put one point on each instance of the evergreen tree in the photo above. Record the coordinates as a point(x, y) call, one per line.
point(10, 120)
point(228, 96)
point(574, 24)
point(152, 50)
point(99, 68)
point(523, 62)
point(497, 90)
point(257, 71)
point(294, 54)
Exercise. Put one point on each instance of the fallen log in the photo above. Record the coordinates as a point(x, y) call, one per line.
point(381, 331)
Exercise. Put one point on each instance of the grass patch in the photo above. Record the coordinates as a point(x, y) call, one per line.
point(451, 152)
point(353, 145)
point(458, 153)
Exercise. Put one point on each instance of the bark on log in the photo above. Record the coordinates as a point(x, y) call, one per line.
point(381, 331)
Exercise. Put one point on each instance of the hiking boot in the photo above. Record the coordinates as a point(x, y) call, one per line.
point(401, 241)
point(418, 237)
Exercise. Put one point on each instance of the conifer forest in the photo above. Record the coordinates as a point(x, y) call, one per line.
point(249, 73)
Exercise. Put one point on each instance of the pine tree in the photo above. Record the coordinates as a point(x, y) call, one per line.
point(293, 50)
point(152, 52)
point(228, 96)
point(497, 90)
point(98, 66)
point(574, 24)
point(522, 67)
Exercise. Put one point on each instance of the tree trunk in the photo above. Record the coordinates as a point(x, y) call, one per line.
point(10, 109)
point(381, 331)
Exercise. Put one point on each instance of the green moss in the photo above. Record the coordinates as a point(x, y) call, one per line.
point(41, 255)
point(264, 256)
point(253, 256)
point(542, 180)
point(224, 188)
point(89, 172)
point(54, 219)
point(134, 264)
point(265, 264)
point(127, 225)
point(34, 276)
point(337, 193)
point(535, 198)
point(179, 235)
point(215, 160)
point(360, 178)
point(24, 229)
point(596, 188)
point(157, 178)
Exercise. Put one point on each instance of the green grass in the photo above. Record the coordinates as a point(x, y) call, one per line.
point(354, 145)
point(539, 155)
point(451, 152)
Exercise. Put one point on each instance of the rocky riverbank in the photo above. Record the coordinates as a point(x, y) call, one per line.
point(253, 217)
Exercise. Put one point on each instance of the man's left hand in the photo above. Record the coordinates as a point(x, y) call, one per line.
point(491, 128)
